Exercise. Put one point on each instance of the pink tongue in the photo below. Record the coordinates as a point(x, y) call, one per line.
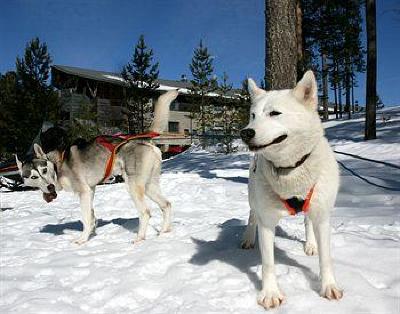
point(49, 197)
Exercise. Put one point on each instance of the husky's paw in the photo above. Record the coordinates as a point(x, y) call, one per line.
point(138, 239)
point(81, 240)
point(310, 249)
point(247, 244)
point(270, 299)
point(331, 292)
point(165, 230)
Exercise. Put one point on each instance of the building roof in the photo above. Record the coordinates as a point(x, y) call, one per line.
point(116, 78)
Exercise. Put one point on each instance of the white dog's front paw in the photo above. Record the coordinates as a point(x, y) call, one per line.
point(310, 249)
point(270, 299)
point(331, 292)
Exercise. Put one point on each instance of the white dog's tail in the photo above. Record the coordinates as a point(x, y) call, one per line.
point(161, 111)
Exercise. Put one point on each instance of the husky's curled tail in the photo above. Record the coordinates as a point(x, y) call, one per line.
point(161, 111)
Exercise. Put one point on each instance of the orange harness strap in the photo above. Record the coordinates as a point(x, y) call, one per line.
point(305, 207)
point(114, 148)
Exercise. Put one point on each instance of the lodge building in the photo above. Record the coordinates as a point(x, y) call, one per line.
point(76, 86)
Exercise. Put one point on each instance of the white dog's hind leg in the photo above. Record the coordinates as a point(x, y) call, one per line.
point(88, 218)
point(310, 247)
point(329, 288)
point(249, 235)
point(137, 193)
point(270, 296)
point(154, 193)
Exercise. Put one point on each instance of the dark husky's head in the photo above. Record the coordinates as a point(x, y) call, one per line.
point(39, 172)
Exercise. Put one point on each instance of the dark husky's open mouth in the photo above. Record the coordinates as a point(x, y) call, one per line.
point(49, 197)
point(279, 139)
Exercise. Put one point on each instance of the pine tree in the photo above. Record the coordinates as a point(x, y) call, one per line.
point(9, 129)
point(203, 82)
point(28, 100)
point(332, 30)
point(141, 74)
point(226, 115)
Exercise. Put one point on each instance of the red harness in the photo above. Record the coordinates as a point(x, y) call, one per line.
point(113, 147)
point(305, 206)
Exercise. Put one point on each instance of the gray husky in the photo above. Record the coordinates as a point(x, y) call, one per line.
point(80, 167)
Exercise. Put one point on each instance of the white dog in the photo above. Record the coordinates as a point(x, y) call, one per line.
point(294, 170)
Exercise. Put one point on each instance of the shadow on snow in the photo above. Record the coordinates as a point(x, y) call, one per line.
point(131, 224)
point(226, 249)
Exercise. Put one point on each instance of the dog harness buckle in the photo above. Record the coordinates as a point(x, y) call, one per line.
point(295, 205)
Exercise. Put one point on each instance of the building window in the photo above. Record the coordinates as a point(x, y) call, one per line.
point(173, 127)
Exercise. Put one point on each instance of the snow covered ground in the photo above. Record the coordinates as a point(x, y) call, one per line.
point(199, 268)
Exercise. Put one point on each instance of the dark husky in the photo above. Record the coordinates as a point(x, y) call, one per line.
point(80, 167)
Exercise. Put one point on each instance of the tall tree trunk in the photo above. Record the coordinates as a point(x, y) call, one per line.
point(335, 94)
point(370, 115)
point(300, 39)
point(352, 93)
point(280, 44)
point(347, 87)
point(325, 87)
point(340, 100)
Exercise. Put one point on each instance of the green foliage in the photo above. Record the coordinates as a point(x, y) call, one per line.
point(203, 82)
point(83, 124)
point(231, 115)
point(333, 28)
point(141, 75)
point(27, 100)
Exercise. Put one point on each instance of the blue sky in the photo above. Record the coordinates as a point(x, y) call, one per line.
point(100, 34)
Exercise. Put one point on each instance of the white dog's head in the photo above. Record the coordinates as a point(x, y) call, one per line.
point(39, 173)
point(284, 124)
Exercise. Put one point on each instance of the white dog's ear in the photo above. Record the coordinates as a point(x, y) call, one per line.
point(306, 90)
point(254, 90)
point(19, 164)
point(39, 151)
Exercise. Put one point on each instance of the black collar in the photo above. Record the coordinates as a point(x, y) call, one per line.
point(297, 164)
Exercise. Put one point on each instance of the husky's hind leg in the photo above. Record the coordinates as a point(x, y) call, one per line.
point(88, 218)
point(137, 193)
point(249, 235)
point(154, 193)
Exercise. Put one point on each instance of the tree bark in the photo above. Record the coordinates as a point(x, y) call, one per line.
point(370, 115)
point(340, 100)
point(352, 93)
point(280, 44)
point(347, 82)
point(325, 87)
point(335, 94)
point(300, 39)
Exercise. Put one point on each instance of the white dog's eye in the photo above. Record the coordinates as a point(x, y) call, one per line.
point(34, 177)
point(275, 113)
point(44, 171)
point(253, 115)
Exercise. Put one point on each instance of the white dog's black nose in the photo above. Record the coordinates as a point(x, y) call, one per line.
point(247, 134)
point(51, 188)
